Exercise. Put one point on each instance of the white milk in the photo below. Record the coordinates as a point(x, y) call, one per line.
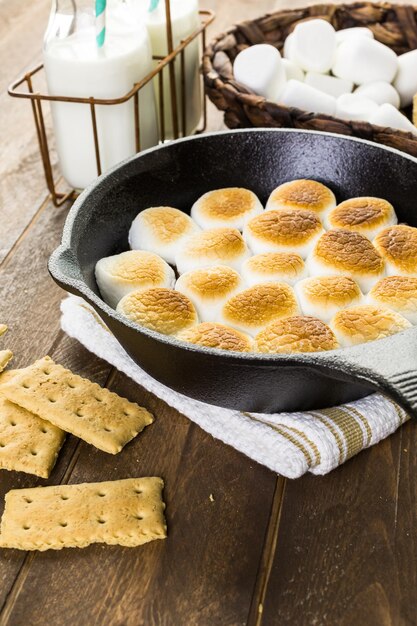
point(185, 20)
point(76, 67)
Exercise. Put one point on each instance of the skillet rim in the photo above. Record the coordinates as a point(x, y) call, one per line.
point(310, 359)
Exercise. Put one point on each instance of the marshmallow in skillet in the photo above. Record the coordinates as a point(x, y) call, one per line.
point(209, 288)
point(217, 246)
point(292, 70)
point(164, 310)
point(351, 106)
point(260, 69)
point(120, 274)
point(252, 309)
point(346, 253)
point(356, 31)
point(324, 296)
point(162, 230)
point(387, 115)
point(286, 267)
point(365, 215)
point(329, 84)
point(302, 194)
point(300, 333)
point(405, 81)
point(301, 96)
point(211, 335)
point(284, 230)
point(231, 207)
point(366, 323)
point(314, 45)
point(380, 92)
point(363, 60)
point(398, 293)
point(398, 247)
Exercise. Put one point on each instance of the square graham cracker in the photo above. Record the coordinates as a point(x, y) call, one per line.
point(92, 413)
point(127, 512)
point(5, 357)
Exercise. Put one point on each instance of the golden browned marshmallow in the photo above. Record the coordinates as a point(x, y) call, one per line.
point(324, 296)
point(345, 253)
point(218, 336)
point(217, 246)
point(269, 267)
point(365, 215)
point(165, 310)
point(398, 247)
point(300, 333)
point(209, 288)
point(231, 206)
point(366, 323)
point(398, 293)
point(287, 230)
point(302, 194)
point(161, 229)
point(252, 309)
point(120, 274)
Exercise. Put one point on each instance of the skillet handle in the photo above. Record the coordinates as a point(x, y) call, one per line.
point(65, 271)
point(389, 364)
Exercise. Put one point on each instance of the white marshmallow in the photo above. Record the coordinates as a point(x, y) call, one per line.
point(405, 81)
point(302, 96)
point(314, 45)
point(134, 270)
point(292, 70)
point(387, 115)
point(259, 68)
point(231, 206)
point(364, 60)
point(288, 51)
point(356, 31)
point(329, 84)
point(380, 92)
point(162, 230)
point(350, 106)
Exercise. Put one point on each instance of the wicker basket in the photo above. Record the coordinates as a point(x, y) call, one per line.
point(393, 25)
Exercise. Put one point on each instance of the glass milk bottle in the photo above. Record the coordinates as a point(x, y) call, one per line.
point(76, 66)
point(185, 20)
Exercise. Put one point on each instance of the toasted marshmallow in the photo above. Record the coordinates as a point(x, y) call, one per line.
point(218, 336)
point(162, 230)
point(217, 246)
point(270, 267)
point(302, 194)
point(286, 230)
point(366, 323)
point(345, 253)
point(398, 247)
point(398, 293)
point(226, 207)
point(120, 274)
point(165, 310)
point(209, 288)
point(364, 215)
point(296, 334)
point(252, 309)
point(324, 296)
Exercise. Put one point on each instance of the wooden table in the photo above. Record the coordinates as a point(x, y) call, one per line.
point(339, 550)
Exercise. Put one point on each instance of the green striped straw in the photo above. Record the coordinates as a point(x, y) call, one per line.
point(100, 22)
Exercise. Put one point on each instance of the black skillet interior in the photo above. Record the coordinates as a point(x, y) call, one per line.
point(176, 175)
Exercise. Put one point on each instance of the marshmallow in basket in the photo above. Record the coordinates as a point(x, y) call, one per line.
point(345, 73)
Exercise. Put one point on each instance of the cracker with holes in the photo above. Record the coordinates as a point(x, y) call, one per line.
point(77, 405)
point(5, 356)
point(27, 443)
point(126, 512)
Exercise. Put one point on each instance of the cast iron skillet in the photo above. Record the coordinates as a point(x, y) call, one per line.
point(177, 174)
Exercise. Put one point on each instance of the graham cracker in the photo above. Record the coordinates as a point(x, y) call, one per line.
point(77, 405)
point(126, 512)
point(27, 442)
point(3, 329)
point(5, 356)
